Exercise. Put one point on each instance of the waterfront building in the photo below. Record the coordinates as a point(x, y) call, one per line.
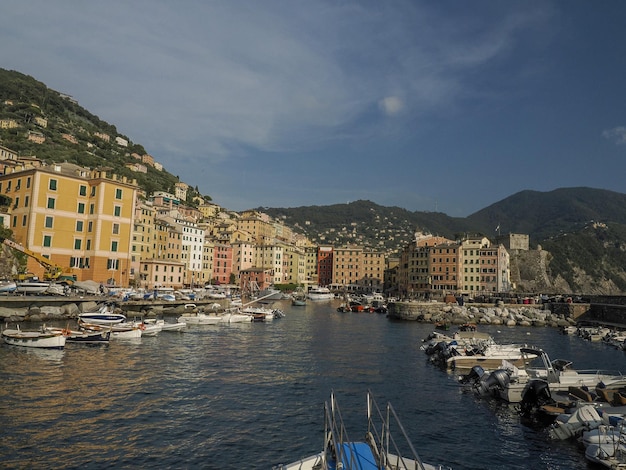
point(444, 261)
point(270, 257)
point(294, 268)
point(243, 258)
point(80, 219)
point(191, 255)
point(325, 265)
point(208, 251)
point(159, 273)
point(258, 225)
point(222, 263)
point(472, 277)
point(143, 232)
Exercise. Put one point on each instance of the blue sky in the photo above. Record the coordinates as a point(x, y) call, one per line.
point(441, 105)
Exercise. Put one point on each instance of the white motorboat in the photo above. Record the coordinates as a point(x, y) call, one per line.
point(378, 450)
point(299, 297)
point(34, 339)
point(169, 326)
point(201, 318)
point(320, 293)
point(151, 327)
point(6, 287)
point(103, 316)
point(509, 382)
point(235, 316)
point(31, 286)
point(214, 318)
point(259, 313)
point(489, 356)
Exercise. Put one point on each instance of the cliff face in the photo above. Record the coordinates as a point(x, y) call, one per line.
point(530, 272)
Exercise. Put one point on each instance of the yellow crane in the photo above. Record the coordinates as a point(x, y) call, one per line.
point(53, 272)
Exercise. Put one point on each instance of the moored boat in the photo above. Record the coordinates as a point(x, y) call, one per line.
point(6, 286)
point(378, 450)
point(298, 298)
point(31, 286)
point(82, 336)
point(103, 316)
point(319, 293)
point(119, 330)
point(33, 339)
point(509, 382)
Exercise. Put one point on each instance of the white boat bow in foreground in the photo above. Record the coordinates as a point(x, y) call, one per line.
point(378, 451)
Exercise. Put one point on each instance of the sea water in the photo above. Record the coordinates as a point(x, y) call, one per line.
point(251, 396)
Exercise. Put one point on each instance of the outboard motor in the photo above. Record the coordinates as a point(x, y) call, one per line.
point(474, 375)
point(498, 379)
point(536, 394)
point(435, 348)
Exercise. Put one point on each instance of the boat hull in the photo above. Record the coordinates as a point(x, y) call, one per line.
point(34, 339)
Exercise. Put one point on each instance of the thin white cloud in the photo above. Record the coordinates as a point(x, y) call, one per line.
point(616, 135)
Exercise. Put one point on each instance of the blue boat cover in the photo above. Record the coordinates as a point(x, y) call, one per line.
point(362, 455)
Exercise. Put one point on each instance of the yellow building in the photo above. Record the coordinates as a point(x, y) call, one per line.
point(77, 218)
point(262, 230)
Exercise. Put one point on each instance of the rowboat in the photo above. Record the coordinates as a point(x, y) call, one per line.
point(33, 339)
point(82, 336)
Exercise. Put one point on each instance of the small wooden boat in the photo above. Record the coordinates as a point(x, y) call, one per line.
point(82, 336)
point(119, 330)
point(33, 339)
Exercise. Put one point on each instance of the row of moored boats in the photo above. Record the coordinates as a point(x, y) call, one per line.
point(106, 323)
point(588, 406)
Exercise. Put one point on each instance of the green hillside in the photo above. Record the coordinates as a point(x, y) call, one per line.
point(24, 99)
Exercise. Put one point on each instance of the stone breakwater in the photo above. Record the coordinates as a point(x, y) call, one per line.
point(480, 314)
point(45, 312)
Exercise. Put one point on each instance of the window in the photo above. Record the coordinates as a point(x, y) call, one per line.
point(47, 240)
point(88, 247)
point(53, 185)
point(81, 207)
point(48, 222)
point(118, 194)
point(93, 191)
point(24, 220)
point(82, 190)
point(26, 201)
point(15, 221)
point(112, 263)
point(113, 246)
point(117, 211)
point(77, 244)
point(79, 225)
point(28, 182)
point(51, 201)
point(91, 208)
point(116, 229)
point(90, 226)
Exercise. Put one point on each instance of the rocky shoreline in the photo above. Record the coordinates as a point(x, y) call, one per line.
point(479, 314)
point(427, 312)
point(69, 311)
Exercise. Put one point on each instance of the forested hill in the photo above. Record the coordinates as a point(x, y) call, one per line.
point(71, 133)
point(582, 229)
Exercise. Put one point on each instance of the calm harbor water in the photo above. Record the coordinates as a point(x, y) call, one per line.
point(251, 396)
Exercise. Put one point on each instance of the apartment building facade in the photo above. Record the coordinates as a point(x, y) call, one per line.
point(78, 218)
